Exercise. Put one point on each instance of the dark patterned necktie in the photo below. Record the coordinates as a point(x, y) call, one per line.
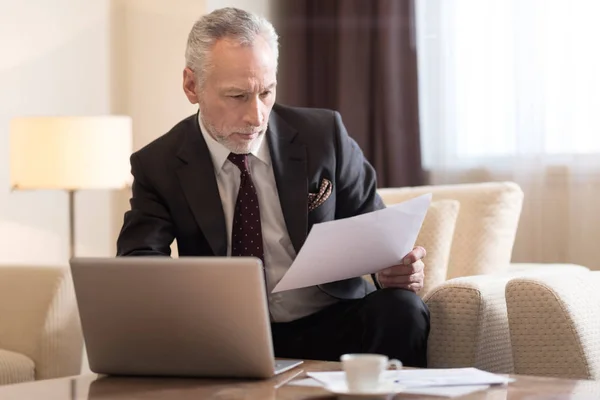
point(246, 232)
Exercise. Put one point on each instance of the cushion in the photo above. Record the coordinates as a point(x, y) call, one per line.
point(486, 225)
point(15, 368)
point(436, 237)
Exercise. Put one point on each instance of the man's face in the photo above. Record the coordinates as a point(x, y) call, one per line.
point(238, 93)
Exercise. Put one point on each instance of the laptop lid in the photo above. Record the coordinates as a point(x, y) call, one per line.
point(201, 317)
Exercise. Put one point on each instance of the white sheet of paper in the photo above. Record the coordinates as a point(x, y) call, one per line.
point(440, 391)
point(446, 391)
point(421, 378)
point(356, 246)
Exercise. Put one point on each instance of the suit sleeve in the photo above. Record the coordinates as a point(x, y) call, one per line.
point(356, 179)
point(147, 228)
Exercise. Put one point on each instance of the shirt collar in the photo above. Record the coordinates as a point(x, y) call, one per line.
point(219, 153)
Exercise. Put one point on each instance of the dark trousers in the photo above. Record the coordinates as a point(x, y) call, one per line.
point(393, 322)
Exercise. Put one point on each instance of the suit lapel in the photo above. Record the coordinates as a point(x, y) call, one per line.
point(288, 156)
point(197, 178)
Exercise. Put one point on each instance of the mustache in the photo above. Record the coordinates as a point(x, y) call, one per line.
point(249, 130)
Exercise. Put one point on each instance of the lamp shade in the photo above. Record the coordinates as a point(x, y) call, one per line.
point(70, 153)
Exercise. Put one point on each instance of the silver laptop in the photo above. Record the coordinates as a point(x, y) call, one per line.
point(189, 317)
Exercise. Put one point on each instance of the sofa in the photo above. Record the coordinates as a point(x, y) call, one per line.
point(469, 232)
point(40, 334)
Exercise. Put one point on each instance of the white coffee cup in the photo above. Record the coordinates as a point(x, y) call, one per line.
point(364, 371)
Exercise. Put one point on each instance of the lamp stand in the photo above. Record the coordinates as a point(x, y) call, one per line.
point(71, 194)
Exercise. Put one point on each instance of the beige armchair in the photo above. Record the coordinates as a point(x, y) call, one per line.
point(469, 233)
point(40, 334)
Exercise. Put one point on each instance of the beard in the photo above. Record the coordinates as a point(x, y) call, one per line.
point(228, 137)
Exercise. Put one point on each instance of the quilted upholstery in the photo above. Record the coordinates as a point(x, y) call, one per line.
point(15, 368)
point(469, 317)
point(555, 324)
point(486, 226)
point(469, 325)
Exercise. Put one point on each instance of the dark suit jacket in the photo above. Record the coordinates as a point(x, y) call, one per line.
point(175, 194)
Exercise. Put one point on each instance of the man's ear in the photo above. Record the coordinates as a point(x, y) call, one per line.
point(189, 85)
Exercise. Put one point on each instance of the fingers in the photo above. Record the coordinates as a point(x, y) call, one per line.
point(399, 280)
point(409, 276)
point(415, 255)
point(400, 270)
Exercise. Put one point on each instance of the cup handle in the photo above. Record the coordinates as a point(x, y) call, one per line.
point(397, 364)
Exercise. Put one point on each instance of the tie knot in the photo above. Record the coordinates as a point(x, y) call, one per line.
point(240, 160)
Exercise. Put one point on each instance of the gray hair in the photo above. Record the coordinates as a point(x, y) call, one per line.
point(225, 22)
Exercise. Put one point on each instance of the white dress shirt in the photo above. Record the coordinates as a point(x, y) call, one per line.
point(278, 249)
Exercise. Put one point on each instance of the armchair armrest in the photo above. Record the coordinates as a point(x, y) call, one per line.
point(469, 318)
point(555, 324)
point(39, 319)
point(469, 325)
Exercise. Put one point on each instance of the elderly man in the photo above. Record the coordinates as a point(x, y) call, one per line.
point(248, 177)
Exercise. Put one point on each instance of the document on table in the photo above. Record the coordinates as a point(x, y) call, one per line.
point(439, 391)
point(356, 246)
point(420, 378)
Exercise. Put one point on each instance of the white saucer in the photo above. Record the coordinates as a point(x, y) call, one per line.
point(384, 391)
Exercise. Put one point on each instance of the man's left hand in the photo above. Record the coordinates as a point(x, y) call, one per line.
point(409, 275)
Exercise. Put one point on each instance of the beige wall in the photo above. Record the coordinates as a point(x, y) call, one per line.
point(261, 7)
point(55, 60)
point(149, 38)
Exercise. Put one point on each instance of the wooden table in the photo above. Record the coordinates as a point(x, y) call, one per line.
point(97, 387)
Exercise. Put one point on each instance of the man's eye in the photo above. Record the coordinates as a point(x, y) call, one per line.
point(265, 94)
point(237, 96)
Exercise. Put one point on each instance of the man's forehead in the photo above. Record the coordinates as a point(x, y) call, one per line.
point(247, 85)
point(237, 67)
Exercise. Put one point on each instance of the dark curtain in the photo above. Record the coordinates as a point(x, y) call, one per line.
point(357, 57)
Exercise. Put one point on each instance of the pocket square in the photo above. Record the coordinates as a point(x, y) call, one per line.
point(316, 199)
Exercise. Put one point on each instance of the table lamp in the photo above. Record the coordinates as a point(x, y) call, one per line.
point(70, 153)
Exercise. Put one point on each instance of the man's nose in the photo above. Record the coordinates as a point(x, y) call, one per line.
point(254, 116)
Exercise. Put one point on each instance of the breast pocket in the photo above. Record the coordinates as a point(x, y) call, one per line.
point(324, 212)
